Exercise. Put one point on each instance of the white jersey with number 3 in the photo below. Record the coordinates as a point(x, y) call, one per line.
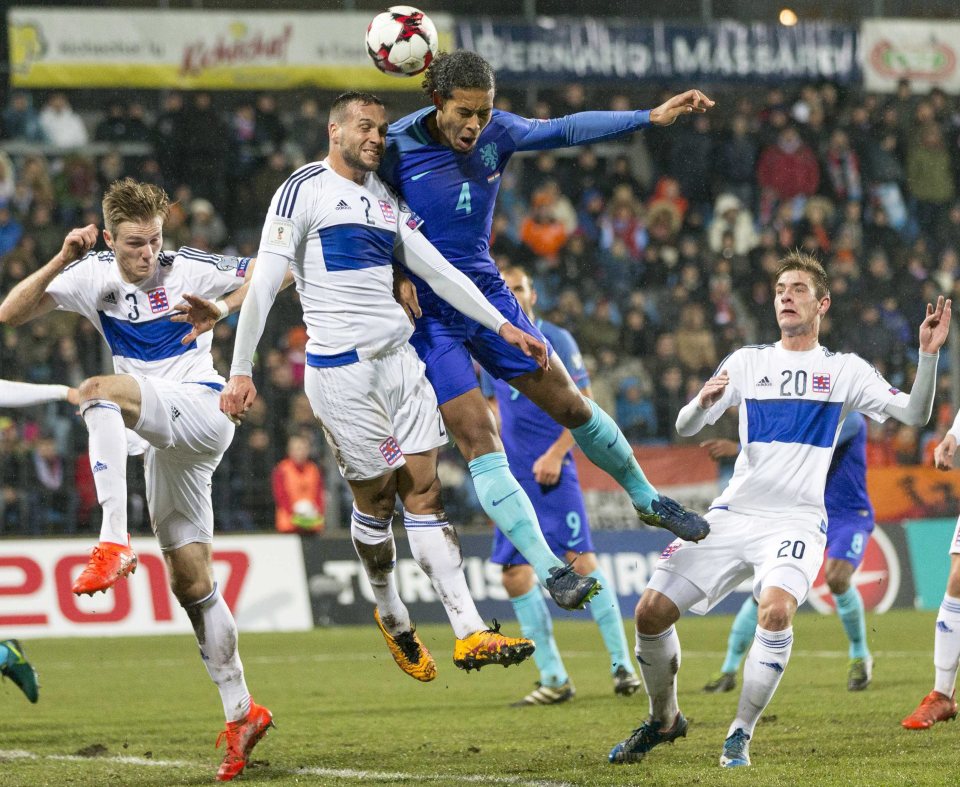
point(339, 238)
point(791, 407)
point(135, 318)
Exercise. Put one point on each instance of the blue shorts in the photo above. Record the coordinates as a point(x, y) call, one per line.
point(563, 520)
point(847, 537)
point(445, 339)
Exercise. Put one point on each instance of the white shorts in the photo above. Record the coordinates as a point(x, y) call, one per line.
point(187, 435)
point(740, 547)
point(376, 410)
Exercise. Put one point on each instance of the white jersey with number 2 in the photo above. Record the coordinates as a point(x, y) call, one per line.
point(339, 238)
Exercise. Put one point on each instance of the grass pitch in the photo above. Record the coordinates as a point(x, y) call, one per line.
point(142, 711)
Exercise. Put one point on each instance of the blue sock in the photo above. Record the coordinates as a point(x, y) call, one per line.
point(850, 610)
point(511, 510)
point(741, 635)
point(4, 654)
point(604, 444)
point(606, 611)
point(536, 624)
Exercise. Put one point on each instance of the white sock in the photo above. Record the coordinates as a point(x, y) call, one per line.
point(946, 645)
point(659, 657)
point(108, 461)
point(766, 661)
point(436, 548)
point(373, 540)
point(216, 632)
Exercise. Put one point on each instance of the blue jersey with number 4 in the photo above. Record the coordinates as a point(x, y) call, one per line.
point(455, 193)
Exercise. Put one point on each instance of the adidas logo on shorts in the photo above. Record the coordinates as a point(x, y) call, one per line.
point(764, 382)
point(98, 467)
point(342, 205)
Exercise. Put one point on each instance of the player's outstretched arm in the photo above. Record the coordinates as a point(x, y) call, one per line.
point(935, 327)
point(237, 397)
point(693, 417)
point(527, 344)
point(943, 454)
point(693, 101)
point(262, 289)
point(421, 257)
point(405, 293)
point(29, 298)
point(14, 394)
point(933, 333)
point(721, 448)
point(203, 314)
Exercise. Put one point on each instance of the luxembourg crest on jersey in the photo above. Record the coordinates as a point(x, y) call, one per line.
point(821, 382)
point(390, 450)
point(158, 300)
point(387, 210)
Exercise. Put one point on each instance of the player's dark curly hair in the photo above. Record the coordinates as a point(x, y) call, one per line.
point(460, 70)
point(338, 108)
point(798, 261)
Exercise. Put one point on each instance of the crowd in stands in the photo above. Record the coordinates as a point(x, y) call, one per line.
point(656, 252)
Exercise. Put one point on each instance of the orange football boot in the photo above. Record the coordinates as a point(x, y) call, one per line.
point(409, 652)
point(932, 708)
point(108, 563)
point(241, 737)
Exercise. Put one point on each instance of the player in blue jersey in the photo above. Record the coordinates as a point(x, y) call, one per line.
point(446, 160)
point(538, 450)
point(849, 525)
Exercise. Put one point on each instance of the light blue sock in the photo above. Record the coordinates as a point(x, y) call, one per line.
point(4, 654)
point(741, 635)
point(508, 506)
point(850, 610)
point(536, 624)
point(606, 611)
point(604, 444)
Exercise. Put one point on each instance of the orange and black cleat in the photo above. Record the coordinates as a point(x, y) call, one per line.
point(409, 652)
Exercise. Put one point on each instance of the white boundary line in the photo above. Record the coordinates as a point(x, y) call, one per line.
point(337, 773)
point(573, 654)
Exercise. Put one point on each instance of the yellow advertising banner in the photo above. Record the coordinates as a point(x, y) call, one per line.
point(197, 49)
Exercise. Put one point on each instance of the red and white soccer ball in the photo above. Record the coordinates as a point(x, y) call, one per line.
point(402, 41)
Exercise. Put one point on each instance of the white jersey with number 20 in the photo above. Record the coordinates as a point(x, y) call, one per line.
point(791, 405)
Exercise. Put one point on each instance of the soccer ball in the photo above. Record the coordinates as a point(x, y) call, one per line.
point(401, 41)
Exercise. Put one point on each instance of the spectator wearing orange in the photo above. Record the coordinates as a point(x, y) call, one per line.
point(541, 232)
point(298, 490)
